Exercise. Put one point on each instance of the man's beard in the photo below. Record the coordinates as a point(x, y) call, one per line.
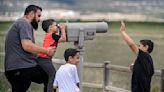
point(34, 24)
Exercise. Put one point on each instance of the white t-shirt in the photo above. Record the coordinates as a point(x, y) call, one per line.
point(66, 78)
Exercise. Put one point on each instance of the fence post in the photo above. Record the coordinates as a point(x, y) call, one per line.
point(106, 75)
point(162, 80)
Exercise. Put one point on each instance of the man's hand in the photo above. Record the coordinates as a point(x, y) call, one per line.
point(122, 28)
point(51, 51)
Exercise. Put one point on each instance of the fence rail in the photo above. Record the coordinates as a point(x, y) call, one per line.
point(106, 66)
point(101, 65)
point(105, 86)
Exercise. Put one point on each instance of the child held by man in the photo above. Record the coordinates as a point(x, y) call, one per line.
point(51, 39)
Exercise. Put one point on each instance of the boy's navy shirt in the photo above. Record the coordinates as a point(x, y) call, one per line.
point(143, 71)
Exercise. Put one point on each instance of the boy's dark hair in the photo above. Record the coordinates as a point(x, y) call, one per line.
point(31, 8)
point(149, 43)
point(70, 52)
point(47, 23)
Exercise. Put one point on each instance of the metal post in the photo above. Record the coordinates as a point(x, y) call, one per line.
point(80, 44)
point(80, 69)
point(106, 75)
point(162, 80)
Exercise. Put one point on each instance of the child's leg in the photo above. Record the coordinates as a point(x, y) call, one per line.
point(48, 67)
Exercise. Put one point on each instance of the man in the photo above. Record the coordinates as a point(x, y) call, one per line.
point(20, 52)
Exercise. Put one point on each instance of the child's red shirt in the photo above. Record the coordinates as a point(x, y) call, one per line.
point(48, 42)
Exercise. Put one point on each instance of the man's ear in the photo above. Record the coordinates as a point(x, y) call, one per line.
point(32, 14)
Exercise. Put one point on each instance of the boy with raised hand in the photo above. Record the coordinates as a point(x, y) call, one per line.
point(142, 68)
point(67, 79)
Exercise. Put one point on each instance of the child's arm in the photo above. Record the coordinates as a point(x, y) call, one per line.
point(55, 84)
point(131, 66)
point(77, 84)
point(63, 34)
point(55, 87)
point(128, 39)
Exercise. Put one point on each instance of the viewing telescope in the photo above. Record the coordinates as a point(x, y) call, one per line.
point(89, 29)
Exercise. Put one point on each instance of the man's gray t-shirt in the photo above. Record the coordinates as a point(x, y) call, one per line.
point(15, 56)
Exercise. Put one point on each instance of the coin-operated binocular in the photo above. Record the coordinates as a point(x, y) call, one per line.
point(88, 30)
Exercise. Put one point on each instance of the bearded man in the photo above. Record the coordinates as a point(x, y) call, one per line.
point(20, 52)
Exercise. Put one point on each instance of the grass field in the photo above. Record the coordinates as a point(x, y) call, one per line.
point(110, 47)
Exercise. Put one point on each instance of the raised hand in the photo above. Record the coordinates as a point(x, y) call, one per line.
point(122, 28)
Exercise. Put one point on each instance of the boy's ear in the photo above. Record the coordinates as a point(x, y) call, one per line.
point(146, 47)
point(49, 27)
point(70, 58)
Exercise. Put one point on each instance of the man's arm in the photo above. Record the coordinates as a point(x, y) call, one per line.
point(29, 46)
point(128, 39)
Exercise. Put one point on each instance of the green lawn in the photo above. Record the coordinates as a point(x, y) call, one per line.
point(110, 47)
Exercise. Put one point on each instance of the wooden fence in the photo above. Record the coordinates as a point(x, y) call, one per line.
point(106, 66)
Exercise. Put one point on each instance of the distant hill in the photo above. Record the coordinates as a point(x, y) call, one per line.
point(152, 8)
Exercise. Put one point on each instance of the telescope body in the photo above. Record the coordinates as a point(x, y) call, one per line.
point(89, 30)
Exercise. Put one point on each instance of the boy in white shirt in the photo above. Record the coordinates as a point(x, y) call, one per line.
point(67, 79)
